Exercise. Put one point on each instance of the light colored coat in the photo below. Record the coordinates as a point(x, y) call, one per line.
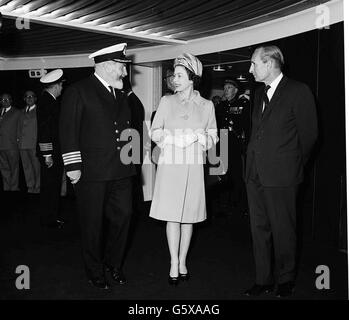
point(179, 194)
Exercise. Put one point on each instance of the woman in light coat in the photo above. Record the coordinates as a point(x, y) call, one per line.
point(184, 127)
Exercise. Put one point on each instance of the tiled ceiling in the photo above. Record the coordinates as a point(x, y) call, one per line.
point(42, 27)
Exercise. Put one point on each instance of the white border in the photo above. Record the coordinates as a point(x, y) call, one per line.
point(346, 70)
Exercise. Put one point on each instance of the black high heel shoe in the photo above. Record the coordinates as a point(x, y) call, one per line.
point(184, 276)
point(173, 281)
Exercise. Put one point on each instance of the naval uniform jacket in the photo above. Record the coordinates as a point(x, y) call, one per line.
point(282, 138)
point(48, 111)
point(92, 126)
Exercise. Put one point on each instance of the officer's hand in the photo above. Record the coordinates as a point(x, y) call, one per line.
point(48, 161)
point(74, 176)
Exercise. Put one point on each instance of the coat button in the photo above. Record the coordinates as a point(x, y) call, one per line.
point(118, 148)
point(117, 139)
point(116, 131)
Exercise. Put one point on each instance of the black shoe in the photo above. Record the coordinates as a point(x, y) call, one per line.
point(285, 289)
point(99, 283)
point(117, 275)
point(58, 224)
point(184, 276)
point(173, 281)
point(258, 289)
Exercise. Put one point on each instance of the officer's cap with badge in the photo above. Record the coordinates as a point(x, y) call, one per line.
point(232, 82)
point(115, 53)
point(52, 77)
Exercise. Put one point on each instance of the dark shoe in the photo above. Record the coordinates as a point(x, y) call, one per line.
point(258, 289)
point(99, 283)
point(173, 281)
point(58, 224)
point(285, 289)
point(184, 276)
point(117, 275)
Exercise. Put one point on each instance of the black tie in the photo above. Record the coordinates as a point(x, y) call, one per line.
point(265, 98)
point(112, 90)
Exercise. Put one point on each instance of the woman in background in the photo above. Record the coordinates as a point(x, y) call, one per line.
point(184, 127)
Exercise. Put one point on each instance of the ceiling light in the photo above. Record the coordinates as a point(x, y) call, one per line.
point(241, 78)
point(218, 68)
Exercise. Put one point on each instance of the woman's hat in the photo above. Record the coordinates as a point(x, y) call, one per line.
point(190, 62)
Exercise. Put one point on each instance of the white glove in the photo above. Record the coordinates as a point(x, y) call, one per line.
point(202, 139)
point(190, 138)
point(181, 141)
point(168, 139)
point(48, 161)
point(74, 176)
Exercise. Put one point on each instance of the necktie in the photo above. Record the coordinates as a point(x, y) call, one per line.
point(265, 98)
point(112, 90)
point(27, 110)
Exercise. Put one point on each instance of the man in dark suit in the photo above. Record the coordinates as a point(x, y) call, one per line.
point(49, 152)
point(95, 121)
point(9, 153)
point(284, 130)
point(27, 142)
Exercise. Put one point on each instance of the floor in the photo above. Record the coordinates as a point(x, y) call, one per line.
point(220, 260)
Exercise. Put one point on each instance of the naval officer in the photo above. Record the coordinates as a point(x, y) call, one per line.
point(95, 112)
point(49, 152)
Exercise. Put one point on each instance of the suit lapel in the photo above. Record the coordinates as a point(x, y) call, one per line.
point(257, 110)
point(275, 98)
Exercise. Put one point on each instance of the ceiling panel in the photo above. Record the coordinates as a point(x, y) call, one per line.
point(73, 27)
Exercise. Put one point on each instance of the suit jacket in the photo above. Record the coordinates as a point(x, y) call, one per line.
point(27, 129)
point(8, 129)
point(92, 126)
point(48, 111)
point(282, 138)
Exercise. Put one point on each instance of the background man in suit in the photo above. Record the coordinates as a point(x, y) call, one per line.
point(284, 129)
point(9, 154)
point(27, 139)
point(49, 149)
point(95, 112)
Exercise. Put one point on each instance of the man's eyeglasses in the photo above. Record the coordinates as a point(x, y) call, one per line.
point(29, 97)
